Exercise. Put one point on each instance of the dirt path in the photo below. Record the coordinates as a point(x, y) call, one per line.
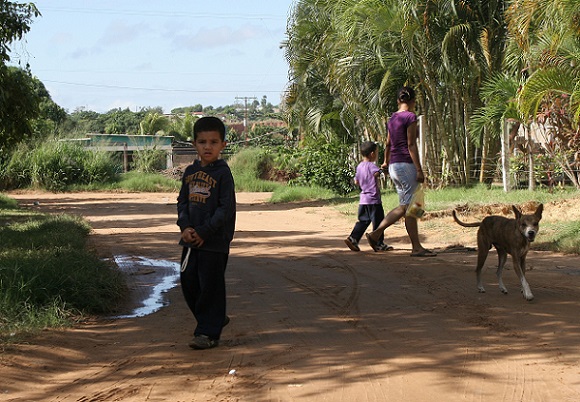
point(311, 320)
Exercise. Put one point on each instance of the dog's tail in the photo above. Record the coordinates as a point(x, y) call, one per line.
point(467, 225)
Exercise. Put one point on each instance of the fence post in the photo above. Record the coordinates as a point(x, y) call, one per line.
point(505, 158)
point(125, 158)
point(422, 140)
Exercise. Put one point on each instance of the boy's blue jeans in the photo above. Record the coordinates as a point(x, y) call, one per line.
point(204, 288)
point(368, 214)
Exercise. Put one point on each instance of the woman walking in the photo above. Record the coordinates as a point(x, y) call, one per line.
point(404, 166)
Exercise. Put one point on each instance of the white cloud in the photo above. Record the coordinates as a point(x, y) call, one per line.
point(119, 32)
point(206, 38)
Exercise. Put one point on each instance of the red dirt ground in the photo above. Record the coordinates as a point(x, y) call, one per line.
point(311, 320)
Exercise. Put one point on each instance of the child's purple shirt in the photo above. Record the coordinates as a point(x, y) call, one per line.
point(365, 175)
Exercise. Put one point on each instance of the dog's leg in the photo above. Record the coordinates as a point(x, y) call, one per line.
point(520, 268)
point(482, 252)
point(502, 258)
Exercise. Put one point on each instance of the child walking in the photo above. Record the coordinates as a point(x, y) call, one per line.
point(370, 209)
point(206, 208)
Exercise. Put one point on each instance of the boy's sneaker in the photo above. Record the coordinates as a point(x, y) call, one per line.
point(384, 247)
point(352, 243)
point(203, 342)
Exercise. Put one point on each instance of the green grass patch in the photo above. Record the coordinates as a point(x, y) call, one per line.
point(7, 202)
point(301, 193)
point(448, 198)
point(147, 182)
point(563, 237)
point(555, 235)
point(134, 181)
point(48, 276)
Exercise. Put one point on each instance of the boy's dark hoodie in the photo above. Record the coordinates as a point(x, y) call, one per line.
point(207, 203)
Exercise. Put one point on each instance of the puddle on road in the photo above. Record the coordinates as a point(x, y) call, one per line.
point(149, 281)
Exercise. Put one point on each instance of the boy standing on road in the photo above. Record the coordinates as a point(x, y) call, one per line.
point(370, 209)
point(206, 208)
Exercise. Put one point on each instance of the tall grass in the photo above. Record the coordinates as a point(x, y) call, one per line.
point(47, 275)
point(55, 165)
point(248, 167)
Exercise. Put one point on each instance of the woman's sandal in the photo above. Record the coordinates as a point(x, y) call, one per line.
point(424, 253)
point(374, 245)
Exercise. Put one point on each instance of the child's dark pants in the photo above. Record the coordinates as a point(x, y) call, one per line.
point(367, 214)
point(204, 288)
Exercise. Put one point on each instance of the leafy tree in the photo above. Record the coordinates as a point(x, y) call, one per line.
point(81, 122)
point(18, 101)
point(187, 109)
point(124, 121)
point(182, 128)
point(20, 105)
point(15, 20)
point(546, 48)
point(154, 123)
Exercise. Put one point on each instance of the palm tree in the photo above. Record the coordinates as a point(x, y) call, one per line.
point(546, 49)
point(153, 124)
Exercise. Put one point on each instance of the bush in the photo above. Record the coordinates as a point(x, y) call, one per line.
point(325, 166)
point(149, 160)
point(249, 167)
point(55, 165)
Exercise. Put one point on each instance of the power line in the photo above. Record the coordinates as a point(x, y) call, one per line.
point(159, 13)
point(156, 89)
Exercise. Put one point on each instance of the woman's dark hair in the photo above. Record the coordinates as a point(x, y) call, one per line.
point(406, 95)
point(209, 123)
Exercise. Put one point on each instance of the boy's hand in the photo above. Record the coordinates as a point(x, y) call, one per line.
point(189, 235)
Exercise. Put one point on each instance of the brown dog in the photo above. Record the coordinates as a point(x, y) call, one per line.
point(508, 236)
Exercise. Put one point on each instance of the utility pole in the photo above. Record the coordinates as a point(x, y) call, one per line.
point(246, 99)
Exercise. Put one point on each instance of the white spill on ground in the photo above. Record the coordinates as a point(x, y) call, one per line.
point(150, 280)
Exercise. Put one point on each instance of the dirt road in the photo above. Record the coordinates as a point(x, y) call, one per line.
point(311, 320)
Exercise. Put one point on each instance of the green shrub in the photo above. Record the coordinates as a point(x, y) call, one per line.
point(249, 167)
point(326, 166)
point(55, 165)
point(149, 160)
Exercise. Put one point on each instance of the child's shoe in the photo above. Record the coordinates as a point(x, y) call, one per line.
point(352, 243)
point(383, 247)
point(203, 342)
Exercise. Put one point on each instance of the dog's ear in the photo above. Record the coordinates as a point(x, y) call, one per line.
point(539, 211)
point(517, 212)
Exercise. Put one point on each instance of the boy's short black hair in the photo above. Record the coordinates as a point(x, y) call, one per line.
point(367, 147)
point(209, 123)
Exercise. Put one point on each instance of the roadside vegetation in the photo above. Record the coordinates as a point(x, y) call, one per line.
point(48, 275)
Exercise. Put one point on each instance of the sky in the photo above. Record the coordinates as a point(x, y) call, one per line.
point(101, 54)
